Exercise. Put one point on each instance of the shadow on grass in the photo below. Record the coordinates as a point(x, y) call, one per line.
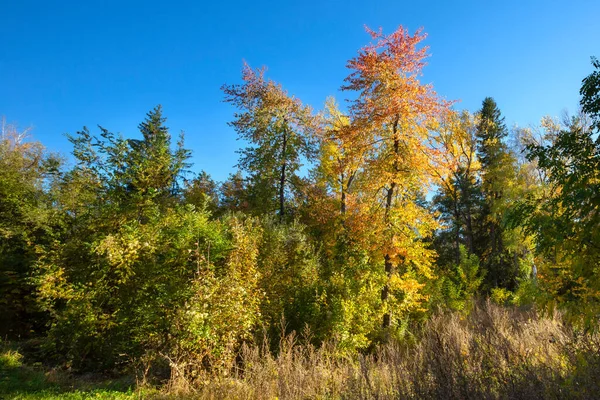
point(19, 381)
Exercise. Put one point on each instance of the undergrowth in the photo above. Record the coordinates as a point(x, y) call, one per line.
point(493, 353)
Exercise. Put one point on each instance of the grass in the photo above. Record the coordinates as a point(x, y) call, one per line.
point(494, 353)
point(20, 381)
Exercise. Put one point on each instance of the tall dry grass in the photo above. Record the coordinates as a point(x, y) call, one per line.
point(494, 353)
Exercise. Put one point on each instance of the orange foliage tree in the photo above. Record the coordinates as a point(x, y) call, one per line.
point(397, 116)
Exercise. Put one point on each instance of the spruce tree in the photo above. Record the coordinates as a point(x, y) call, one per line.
point(153, 169)
point(498, 170)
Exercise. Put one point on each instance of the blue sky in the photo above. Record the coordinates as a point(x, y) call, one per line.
point(67, 64)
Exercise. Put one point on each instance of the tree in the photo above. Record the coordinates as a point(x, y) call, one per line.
point(136, 276)
point(342, 157)
point(397, 114)
point(133, 175)
point(279, 130)
point(459, 198)
point(498, 167)
point(233, 193)
point(564, 213)
point(26, 222)
point(590, 94)
point(152, 169)
point(566, 216)
point(201, 192)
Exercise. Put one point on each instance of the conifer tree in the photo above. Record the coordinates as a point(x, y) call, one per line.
point(498, 170)
point(152, 168)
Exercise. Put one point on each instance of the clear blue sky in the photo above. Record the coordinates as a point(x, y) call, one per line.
point(66, 64)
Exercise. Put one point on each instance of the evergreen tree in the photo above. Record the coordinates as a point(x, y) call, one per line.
point(459, 198)
point(152, 168)
point(498, 167)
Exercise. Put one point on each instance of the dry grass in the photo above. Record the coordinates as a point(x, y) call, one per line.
point(494, 353)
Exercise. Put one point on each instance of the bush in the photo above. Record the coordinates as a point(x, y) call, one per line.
point(178, 286)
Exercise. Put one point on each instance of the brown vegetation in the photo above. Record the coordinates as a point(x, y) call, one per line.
point(495, 352)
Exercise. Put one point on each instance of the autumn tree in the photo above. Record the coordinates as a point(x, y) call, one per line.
point(459, 197)
point(397, 113)
point(233, 193)
point(342, 157)
point(201, 191)
point(350, 283)
point(279, 130)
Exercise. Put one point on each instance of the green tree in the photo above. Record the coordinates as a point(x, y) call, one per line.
point(565, 218)
point(26, 222)
point(459, 198)
point(590, 94)
point(152, 170)
point(462, 282)
point(563, 213)
point(498, 166)
point(136, 276)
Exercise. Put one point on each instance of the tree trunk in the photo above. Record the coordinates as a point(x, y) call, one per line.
point(469, 221)
point(344, 190)
point(388, 265)
point(457, 232)
point(343, 199)
point(282, 177)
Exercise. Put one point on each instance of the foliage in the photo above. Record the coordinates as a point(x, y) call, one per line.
point(279, 130)
point(201, 192)
point(138, 277)
point(590, 94)
point(498, 174)
point(289, 279)
point(396, 114)
point(345, 258)
point(26, 172)
point(463, 282)
point(564, 217)
point(459, 200)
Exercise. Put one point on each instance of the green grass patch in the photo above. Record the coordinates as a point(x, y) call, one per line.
point(22, 381)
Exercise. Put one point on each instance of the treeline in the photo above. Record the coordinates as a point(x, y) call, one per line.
point(125, 260)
